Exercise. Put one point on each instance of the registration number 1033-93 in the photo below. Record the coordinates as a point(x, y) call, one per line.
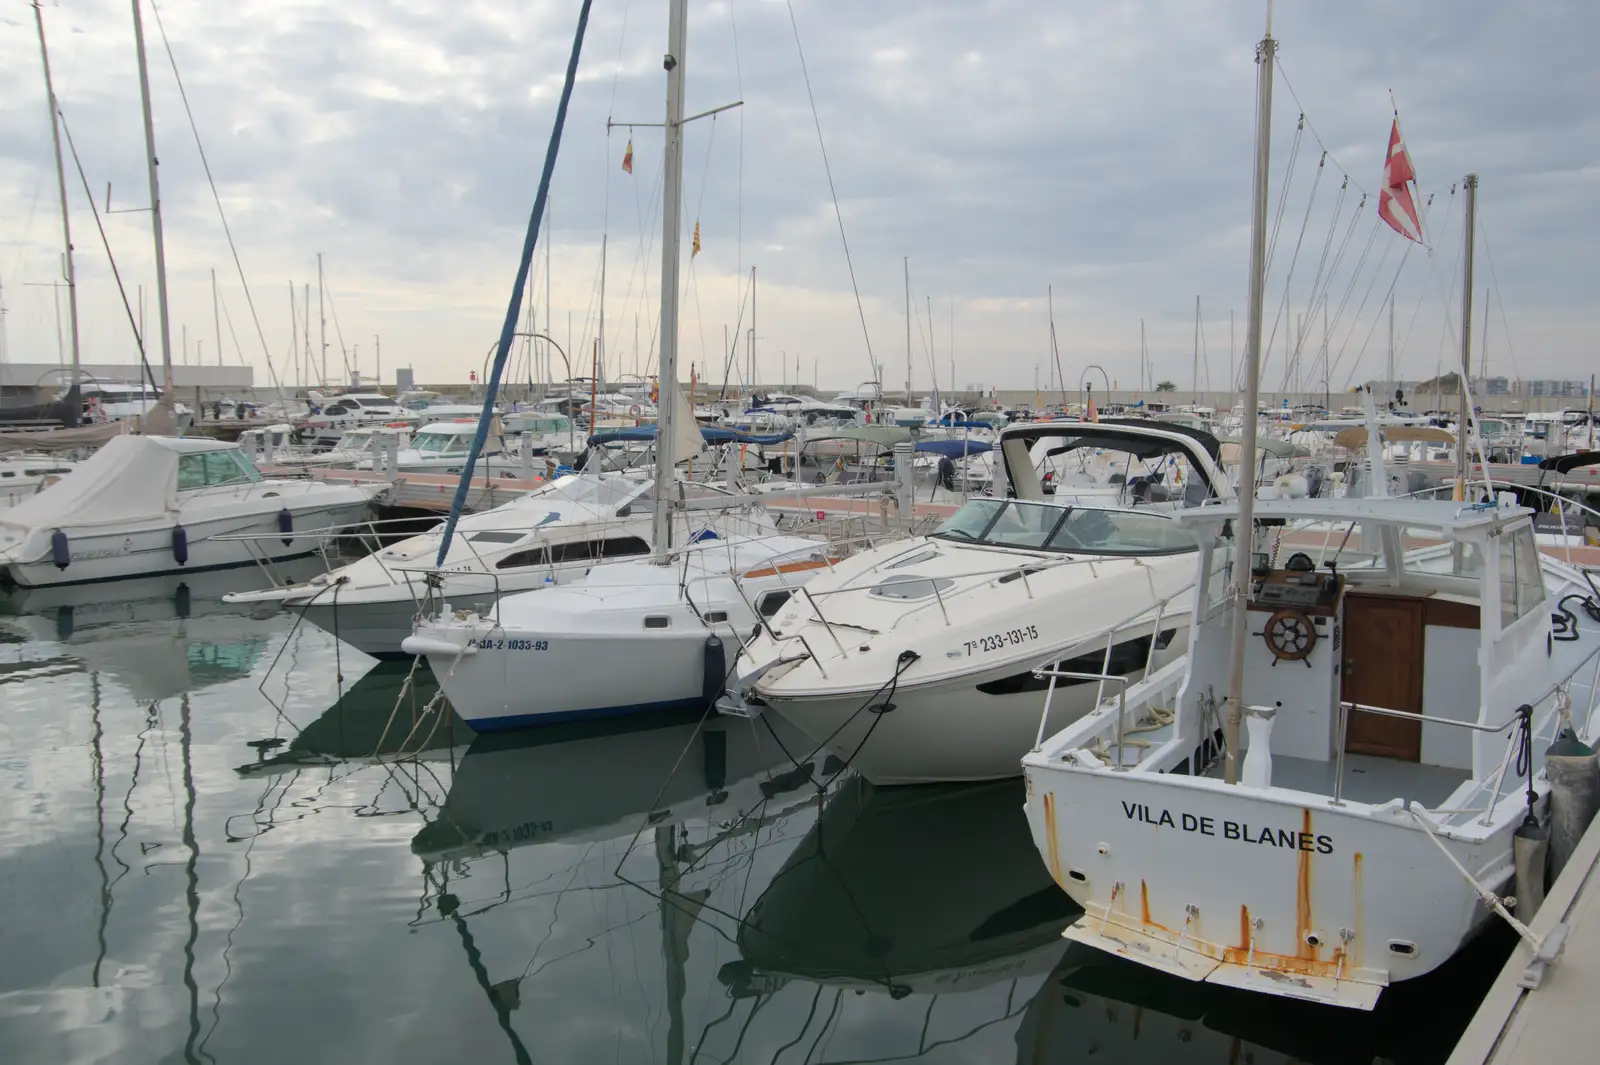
point(1008, 638)
point(510, 645)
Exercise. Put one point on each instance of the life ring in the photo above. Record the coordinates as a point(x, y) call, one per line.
point(635, 410)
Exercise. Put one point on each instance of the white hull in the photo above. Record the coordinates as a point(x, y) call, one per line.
point(515, 678)
point(947, 731)
point(149, 552)
point(1175, 872)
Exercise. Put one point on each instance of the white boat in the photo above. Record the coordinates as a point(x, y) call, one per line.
point(1392, 649)
point(120, 400)
point(338, 414)
point(145, 505)
point(915, 661)
point(25, 474)
point(627, 638)
point(442, 447)
point(548, 536)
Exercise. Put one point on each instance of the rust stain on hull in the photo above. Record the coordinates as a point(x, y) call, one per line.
point(1052, 842)
point(1304, 918)
point(1144, 902)
point(1356, 910)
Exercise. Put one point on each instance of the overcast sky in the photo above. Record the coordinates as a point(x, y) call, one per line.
point(1004, 147)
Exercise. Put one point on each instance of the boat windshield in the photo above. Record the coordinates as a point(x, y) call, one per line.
point(438, 443)
point(599, 491)
point(1048, 527)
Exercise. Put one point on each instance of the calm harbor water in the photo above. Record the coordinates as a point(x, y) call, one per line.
point(224, 840)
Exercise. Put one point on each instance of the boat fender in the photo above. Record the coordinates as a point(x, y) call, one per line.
point(1530, 852)
point(180, 544)
point(286, 525)
point(1573, 770)
point(60, 550)
point(715, 678)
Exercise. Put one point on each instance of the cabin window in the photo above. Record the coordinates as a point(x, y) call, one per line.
point(576, 551)
point(1521, 583)
point(493, 536)
point(714, 616)
point(770, 603)
point(210, 469)
point(657, 621)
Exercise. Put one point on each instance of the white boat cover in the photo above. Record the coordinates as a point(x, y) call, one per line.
point(131, 480)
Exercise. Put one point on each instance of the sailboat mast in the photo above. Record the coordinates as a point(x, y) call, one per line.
point(155, 206)
point(906, 263)
point(671, 237)
point(70, 274)
point(322, 322)
point(216, 319)
point(1463, 414)
point(602, 331)
point(1194, 379)
point(1244, 530)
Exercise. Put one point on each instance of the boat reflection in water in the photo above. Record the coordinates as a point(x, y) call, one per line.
point(1096, 1007)
point(157, 637)
point(603, 780)
point(931, 891)
point(389, 711)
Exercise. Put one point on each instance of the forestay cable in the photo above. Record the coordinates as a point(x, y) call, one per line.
point(509, 327)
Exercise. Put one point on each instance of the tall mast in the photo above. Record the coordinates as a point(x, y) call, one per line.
point(933, 354)
point(1484, 343)
point(671, 238)
point(906, 262)
point(1389, 380)
point(1463, 415)
point(216, 320)
point(1194, 380)
point(322, 324)
point(1244, 529)
point(305, 346)
point(601, 339)
point(155, 207)
point(66, 221)
point(1144, 358)
point(752, 328)
point(294, 333)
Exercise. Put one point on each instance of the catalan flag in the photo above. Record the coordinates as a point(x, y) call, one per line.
point(627, 157)
point(696, 250)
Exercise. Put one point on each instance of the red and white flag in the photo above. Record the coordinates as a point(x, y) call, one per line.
point(627, 157)
point(1396, 204)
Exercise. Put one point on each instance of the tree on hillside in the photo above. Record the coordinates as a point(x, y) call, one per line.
point(1166, 386)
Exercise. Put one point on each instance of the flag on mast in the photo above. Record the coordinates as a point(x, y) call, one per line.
point(1396, 205)
point(627, 157)
point(696, 250)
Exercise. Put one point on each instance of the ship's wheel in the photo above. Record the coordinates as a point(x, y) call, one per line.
point(1290, 635)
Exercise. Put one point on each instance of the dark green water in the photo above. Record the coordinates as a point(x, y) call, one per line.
point(208, 854)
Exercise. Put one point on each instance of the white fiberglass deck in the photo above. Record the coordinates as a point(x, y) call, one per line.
point(1367, 779)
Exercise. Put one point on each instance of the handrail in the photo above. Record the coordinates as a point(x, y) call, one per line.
point(1122, 703)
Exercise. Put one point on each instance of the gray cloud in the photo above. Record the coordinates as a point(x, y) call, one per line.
point(1002, 147)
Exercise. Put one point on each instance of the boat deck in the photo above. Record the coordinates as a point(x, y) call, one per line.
point(1367, 779)
point(1555, 1023)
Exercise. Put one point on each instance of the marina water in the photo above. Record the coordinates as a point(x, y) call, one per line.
point(225, 839)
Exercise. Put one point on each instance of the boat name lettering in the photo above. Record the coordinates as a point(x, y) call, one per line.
point(1009, 638)
point(514, 644)
point(1242, 831)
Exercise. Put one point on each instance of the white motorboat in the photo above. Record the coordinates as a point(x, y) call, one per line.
point(915, 661)
point(550, 535)
point(1399, 702)
point(442, 447)
point(337, 414)
point(627, 638)
point(144, 505)
point(120, 400)
point(25, 474)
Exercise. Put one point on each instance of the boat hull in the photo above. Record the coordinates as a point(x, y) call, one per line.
point(513, 678)
point(1273, 891)
point(949, 730)
point(149, 551)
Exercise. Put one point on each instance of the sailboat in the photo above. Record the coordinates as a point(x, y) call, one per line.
point(1336, 787)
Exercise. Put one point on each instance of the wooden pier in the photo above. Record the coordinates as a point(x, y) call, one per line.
point(1554, 1023)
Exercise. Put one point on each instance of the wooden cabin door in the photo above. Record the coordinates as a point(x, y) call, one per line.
point(1382, 666)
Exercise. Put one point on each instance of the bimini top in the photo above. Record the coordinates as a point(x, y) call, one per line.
point(1137, 436)
point(1451, 518)
point(130, 479)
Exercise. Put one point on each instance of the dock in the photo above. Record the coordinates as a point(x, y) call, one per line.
point(1555, 1022)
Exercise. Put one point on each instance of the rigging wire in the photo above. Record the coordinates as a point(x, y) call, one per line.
point(115, 273)
point(215, 196)
point(1498, 298)
point(1288, 281)
point(1283, 197)
point(1278, 62)
point(833, 192)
